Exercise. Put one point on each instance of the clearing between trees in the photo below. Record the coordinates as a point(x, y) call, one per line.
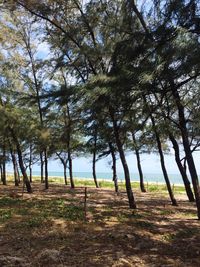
point(49, 228)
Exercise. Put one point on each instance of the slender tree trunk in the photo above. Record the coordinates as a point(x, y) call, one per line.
point(186, 145)
point(21, 163)
point(30, 164)
point(64, 163)
point(46, 169)
point(181, 169)
point(1, 170)
point(18, 174)
point(185, 165)
point(162, 161)
point(41, 167)
point(94, 169)
point(142, 187)
point(119, 144)
point(15, 168)
point(114, 169)
point(67, 120)
point(65, 172)
point(71, 171)
point(94, 159)
point(4, 165)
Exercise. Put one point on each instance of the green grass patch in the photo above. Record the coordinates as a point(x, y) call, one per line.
point(7, 201)
point(5, 215)
point(166, 212)
point(144, 224)
point(34, 222)
point(182, 234)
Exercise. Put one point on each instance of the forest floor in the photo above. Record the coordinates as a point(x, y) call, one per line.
point(49, 228)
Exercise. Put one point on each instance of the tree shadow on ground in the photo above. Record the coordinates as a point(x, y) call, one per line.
point(51, 231)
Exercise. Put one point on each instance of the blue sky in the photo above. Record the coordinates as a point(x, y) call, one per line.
point(150, 164)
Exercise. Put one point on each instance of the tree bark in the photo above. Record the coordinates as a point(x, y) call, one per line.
point(21, 163)
point(186, 145)
point(70, 170)
point(4, 165)
point(64, 163)
point(15, 167)
point(162, 161)
point(119, 144)
point(114, 169)
point(181, 169)
point(30, 164)
point(142, 187)
point(46, 169)
point(1, 170)
point(41, 167)
point(65, 172)
point(94, 159)
point(68, 128)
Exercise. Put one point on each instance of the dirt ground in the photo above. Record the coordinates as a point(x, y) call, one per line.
point(49, 228)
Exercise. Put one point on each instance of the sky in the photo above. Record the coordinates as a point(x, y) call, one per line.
point(150, 164)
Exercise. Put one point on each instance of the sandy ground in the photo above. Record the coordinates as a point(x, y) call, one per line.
point(49, 228)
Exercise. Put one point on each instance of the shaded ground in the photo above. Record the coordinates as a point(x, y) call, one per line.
point(48, 228)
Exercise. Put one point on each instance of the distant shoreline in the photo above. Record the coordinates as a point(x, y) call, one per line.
point(109, 179)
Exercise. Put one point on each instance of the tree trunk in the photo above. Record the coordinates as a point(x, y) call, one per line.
point(65, 172)
point(142, 187)
point(18, 174)
point(71, 171)
point(181, 169)
point(119, 144)
point(41, 167)
point(21, 163)
point(1, 170)
point(67, 120)
point(94, 159)
point(114, 169)
point(162, 161)
point(4, 165)
point(46, 169)
point(186, 145)
point(30, 164)
point(15, 168)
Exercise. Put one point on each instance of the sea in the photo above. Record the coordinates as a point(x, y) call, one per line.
point(148, 177)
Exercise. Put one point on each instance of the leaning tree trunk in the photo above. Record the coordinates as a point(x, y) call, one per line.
point(142, 187)
point(21, 163)
point(186, 145)
point(181, 169)
point(162, 161)
point(114, 169)
point(30, 164)
point(94, 159)
point(119, 144)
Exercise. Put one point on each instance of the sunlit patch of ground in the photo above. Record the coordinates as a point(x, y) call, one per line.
point(49, 228)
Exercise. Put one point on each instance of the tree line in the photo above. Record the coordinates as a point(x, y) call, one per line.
point(100, 78)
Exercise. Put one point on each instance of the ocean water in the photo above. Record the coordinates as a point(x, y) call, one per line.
point(148, 177)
